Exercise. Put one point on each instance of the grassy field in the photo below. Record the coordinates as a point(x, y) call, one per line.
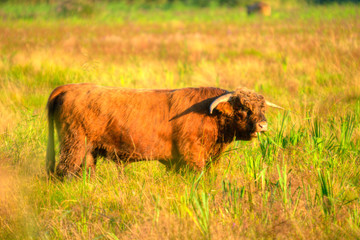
point(300, 181)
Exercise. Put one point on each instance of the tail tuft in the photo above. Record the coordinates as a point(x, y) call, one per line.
point(50, 152)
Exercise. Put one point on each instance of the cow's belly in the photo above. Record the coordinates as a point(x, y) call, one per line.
point(135, 145)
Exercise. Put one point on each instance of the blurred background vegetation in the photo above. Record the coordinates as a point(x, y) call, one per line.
point(112, 9)
point(200, 3)
point(88, 7)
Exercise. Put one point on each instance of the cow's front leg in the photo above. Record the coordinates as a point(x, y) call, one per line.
point(196, 156)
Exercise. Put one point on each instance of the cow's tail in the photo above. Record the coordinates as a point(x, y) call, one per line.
point(53, 106)
point(50, 151)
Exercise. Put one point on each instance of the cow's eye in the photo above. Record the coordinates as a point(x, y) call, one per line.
point(240, 115)
point(244, 108)
point(249, 112)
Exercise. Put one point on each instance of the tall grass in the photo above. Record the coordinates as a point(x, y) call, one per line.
point(299, 180)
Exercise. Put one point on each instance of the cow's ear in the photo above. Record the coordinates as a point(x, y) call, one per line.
point(225, 108)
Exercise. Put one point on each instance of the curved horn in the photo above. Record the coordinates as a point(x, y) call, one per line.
point(270, 104)
point(223, 98)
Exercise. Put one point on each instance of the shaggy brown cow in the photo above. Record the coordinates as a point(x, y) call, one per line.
point(259, 7)
point(178, 126)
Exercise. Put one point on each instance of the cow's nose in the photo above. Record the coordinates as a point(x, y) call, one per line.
point(262, 126)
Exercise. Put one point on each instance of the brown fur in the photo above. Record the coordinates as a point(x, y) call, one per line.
point(259, 7)
point(127, 125)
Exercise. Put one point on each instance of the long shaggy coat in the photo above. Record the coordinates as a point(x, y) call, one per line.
point(127, 125)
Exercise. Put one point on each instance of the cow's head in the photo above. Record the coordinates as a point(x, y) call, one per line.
point(244, 111)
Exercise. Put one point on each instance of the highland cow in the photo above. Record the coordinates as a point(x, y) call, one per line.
point(181, 126)
point(259, 7)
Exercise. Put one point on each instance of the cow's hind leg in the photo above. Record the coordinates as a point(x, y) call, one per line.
point(73, 157)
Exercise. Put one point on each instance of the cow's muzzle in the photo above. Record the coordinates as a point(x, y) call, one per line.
point(262, 127)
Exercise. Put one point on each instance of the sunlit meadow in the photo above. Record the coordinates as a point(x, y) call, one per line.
point(301, 180)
